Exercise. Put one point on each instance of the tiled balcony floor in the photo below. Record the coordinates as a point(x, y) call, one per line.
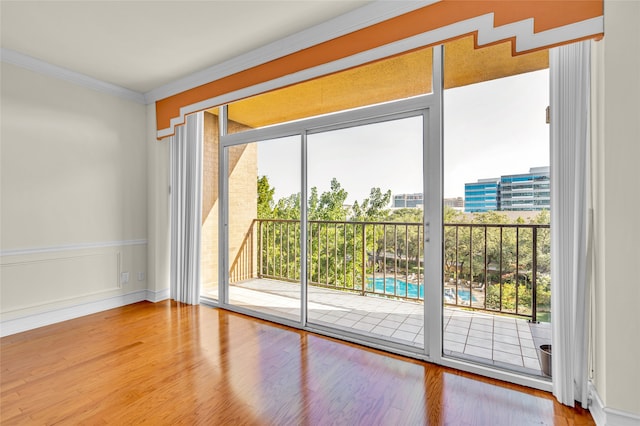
point(505, 342)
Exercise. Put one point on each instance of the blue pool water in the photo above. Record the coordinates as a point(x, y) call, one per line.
point(402, 288)
point(386, 287)
point(463, 296)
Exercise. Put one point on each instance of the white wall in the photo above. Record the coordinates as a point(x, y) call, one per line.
point(74, 199)
point(616, 150)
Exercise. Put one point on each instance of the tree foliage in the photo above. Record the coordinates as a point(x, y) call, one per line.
point(373, 208)
point(406, 215)
point(486, 250)
point(265, 198)
point(330, 204)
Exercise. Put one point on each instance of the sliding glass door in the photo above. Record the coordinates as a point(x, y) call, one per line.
point(497, 241)
point(365, 252)
point(264, 237)
point(324, 222)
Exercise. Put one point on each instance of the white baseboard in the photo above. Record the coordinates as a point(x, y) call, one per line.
point(157, 296)
point(30, 322)
point(605, 416)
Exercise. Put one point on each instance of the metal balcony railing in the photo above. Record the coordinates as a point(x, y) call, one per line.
point(490, 267)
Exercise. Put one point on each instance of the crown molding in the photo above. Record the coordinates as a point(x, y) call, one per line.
point(36, 65)
point(370, 14)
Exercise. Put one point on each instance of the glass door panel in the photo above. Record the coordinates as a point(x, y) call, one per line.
point(264, 227)
point(365, 230)
point(496, 289)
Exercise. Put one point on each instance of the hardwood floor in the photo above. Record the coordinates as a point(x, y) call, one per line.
point(177, 364)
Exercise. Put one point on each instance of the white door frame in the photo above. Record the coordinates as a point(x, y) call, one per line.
point(431, 108)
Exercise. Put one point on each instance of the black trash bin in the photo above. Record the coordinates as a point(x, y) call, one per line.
point(545, 359)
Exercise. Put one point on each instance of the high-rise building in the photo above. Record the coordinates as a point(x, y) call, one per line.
point(528, 191)
point(482, 196)
point(408, 200)
point(519, 192)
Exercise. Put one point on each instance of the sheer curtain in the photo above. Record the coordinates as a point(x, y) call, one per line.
point(570, 87)
point(186, 210)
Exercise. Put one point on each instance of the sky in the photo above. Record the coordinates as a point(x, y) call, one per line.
point(491, 129)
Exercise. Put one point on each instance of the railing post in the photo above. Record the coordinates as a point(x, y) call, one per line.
point(500, 274)
point(486, 243)
point(280, 250)
point(534, 277)
point(457, 278)
point(344, 241)
point(267, 244)
point(288, 250)
point(319, 279)
point(326, 253)
point(353, 259)
point(384, 260)
point(259, 248)
point(470, 263)
point(364, 258)
point(517, 269)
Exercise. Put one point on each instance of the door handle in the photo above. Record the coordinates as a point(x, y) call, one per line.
point(426, 232)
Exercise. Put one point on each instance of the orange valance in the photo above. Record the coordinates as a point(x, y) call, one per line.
point(528, 24)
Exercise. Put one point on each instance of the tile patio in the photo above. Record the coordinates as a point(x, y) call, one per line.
point(505, 342)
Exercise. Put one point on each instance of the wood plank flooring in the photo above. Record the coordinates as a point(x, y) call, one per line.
point(167, 364)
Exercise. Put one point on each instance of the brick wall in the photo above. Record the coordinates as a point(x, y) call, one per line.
point(243, 169)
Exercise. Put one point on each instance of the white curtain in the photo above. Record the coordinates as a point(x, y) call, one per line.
point(186, 210)
point(570, 87)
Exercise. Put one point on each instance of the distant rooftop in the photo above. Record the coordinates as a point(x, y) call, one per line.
point(533, 170)
point(544, 169)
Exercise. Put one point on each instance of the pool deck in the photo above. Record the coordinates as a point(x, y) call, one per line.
point(482, 337)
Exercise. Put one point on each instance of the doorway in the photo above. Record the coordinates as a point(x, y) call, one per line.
point(321, 248)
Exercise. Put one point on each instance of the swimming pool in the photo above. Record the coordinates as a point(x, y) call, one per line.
point(404, 289)
point(463, 295)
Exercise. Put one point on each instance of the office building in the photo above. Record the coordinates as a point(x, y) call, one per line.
point(408, 200)
point(482, 196)
point(527, 191)
point(518, 192)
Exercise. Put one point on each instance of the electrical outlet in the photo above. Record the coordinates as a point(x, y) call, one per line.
point(124, 278)
point(140, 276)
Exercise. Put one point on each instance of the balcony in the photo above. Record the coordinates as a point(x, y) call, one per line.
point(369, 277)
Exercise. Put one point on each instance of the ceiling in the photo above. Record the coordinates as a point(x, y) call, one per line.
point(143, 45)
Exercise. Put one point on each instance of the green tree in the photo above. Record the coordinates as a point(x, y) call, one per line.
point(265, 198)
point(330, 204)
point(490, 218)
point(288, 207)
point(451, 215)
point(542, 218)
point(327, 243)
point(407, 215)
point(372, 209)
